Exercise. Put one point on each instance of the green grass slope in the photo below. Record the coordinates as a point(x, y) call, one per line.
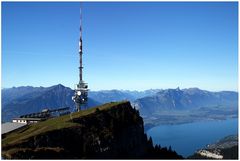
point(51, 124)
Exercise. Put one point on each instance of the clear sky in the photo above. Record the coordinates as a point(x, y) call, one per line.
point(133, 46)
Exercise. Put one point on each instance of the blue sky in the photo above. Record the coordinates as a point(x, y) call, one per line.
point(133, 46)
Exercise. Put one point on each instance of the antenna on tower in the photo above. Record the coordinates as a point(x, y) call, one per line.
point(80, 46)
point(81, 90)
point(80, 40)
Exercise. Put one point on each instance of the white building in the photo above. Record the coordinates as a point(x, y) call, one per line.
point(27, 120)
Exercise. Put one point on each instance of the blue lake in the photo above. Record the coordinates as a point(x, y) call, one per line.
point(185, 139)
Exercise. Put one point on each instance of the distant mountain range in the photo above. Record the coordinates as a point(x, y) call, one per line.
point(17, 101)
point(175, 106)
point(105, 96)
point(186, 99)
point(155, 105)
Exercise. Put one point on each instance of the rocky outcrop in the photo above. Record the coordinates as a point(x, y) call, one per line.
point(111, 131)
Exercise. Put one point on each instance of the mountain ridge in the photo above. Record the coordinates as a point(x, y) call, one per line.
point(110, 131)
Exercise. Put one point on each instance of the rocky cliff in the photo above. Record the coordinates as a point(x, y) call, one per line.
point(113, 130)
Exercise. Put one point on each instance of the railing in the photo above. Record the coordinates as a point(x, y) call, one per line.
point(47, 114)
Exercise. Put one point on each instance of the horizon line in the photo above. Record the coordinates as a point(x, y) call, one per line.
point(124, 89)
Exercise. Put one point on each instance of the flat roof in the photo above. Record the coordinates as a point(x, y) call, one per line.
point(10, 126)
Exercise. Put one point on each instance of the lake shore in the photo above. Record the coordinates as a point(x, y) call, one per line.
point(189, 137)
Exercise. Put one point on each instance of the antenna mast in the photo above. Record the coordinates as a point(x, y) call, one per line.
point(80, 47)
point(81, 90)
